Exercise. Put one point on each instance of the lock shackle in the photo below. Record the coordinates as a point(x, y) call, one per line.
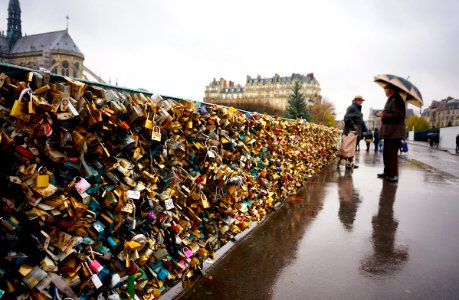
point(42, 170)
point(27, 90)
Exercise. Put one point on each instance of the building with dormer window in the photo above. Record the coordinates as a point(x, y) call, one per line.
point(54, 51)
point(268, 95)
point(443, 113)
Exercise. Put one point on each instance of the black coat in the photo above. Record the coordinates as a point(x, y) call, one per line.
point(393, 120)
point(353, 119)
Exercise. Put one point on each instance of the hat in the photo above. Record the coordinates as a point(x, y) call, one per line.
point(359, 98)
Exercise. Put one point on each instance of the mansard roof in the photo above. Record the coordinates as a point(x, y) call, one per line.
point(295, 76)
point(57, 40)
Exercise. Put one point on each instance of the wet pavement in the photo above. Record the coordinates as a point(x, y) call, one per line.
point(442, 160)
point(350, 235)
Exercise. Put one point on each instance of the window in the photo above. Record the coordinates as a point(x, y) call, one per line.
point(65, 68)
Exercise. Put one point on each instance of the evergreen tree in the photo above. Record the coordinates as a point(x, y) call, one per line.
point(296, 107)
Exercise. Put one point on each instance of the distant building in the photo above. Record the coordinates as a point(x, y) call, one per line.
point(374, 121)
point(268, 95)
point(55, 51)
point(443, 113)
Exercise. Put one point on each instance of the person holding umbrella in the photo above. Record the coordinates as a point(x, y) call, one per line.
point(393, 129)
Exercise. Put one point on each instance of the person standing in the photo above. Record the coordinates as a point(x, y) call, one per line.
point(393, 130)
point(353, 119)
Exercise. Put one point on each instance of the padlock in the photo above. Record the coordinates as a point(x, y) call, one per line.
point(94, 265)
point(34, 276)
point(148, 123)
point(156, 134)
point(42, 180)
point(42, 89)
point(128, 207)
point(212, 152)
point(189, 124)
point(82, 185)
point(134, 114)
point(20, 110)
point(55, 104)
point(94, 278)
point(31, 106)
point(169, 204)
point(203, 201)
point(72, 109)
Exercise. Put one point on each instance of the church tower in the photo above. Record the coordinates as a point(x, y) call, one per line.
point(14, 31)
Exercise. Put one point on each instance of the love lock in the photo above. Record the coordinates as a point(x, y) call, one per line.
point(132, 248)
point(212, 153)
point(42, 178)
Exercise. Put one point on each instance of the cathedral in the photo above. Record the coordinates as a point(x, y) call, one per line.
point(54, 51)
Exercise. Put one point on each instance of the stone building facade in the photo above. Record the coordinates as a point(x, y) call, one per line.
point(55, 51)
point(259, 94)
point(443, 113)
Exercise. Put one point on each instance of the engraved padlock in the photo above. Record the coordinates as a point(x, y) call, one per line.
point(42, 178)
point(169, 204)
point(156, 134)
point(128, 207)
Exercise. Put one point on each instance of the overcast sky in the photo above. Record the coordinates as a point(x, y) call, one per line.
point(177, 47)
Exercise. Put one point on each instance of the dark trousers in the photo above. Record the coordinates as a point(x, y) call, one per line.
point(390, 156)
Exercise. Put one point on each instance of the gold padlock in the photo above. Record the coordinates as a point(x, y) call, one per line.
point(31, 107)
point(156, 134)
point(128, 207)
point(42, 178)
point(148, 122)
point(19, 110)
point(204, 202)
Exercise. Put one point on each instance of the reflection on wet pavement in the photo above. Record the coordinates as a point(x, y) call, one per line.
point(349, 199)
point(386, 257)
point(349, 235)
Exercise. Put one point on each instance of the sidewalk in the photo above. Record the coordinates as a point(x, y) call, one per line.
point(426, 144)
point(440, 159)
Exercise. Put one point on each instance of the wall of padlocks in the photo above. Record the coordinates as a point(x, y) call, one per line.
point(112, 191)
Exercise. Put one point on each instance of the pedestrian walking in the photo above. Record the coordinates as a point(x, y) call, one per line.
point(353, 121)
point(376, 139)
point(392, 131)
point(457, 143)
point(368, 139)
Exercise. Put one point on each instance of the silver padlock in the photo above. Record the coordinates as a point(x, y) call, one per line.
point(94, 278)
point(212, 152)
